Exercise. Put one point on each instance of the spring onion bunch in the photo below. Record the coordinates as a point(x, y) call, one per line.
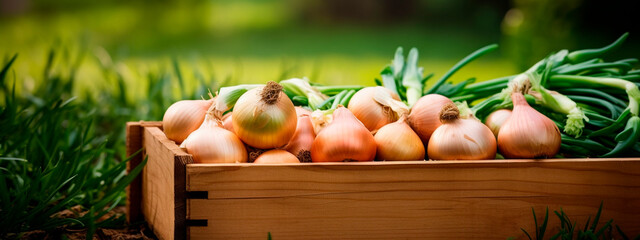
point(594, 102)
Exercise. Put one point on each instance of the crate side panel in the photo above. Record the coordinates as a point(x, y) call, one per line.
point(134, 190)
point(158, 185)
point(408, 201)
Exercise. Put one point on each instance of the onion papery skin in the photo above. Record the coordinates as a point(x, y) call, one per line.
point(528, 133)
point(368, 111)
point(184, 117)
point(302, 139)
point(262, 125)
point(424, 117)
point(396, 141)
point(346, 138)
point(302, 111)
point(213, 144)
point(276, 156)
point(496, 119)
point(320, 120)
point(227, 122)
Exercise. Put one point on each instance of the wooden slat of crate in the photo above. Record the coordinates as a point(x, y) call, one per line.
point(408, 200)
point(160, 196)
point(134, 190)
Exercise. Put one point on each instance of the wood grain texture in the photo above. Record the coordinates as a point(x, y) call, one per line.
point(163, 183)
point(408, 200)
point(134, 190)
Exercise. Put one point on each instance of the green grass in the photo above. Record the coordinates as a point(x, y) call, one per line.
point(62, 145)
point(52, 160)
point(569, 229)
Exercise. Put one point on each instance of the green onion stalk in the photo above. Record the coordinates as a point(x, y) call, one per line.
point(227, 97)
point(322, 116)
point(404, 77)
point(302, 88)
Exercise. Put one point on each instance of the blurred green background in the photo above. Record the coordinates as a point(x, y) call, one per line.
point(85, 68)
point(331, 42)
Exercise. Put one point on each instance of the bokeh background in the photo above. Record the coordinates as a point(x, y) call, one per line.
point(331, 42)
point(85, 68)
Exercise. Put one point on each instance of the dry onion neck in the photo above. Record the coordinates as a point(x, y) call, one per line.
point(449, 113)
point(304, 156)
point(392, 108)
point(271, 92)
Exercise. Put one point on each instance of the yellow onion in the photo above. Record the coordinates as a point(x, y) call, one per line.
point(276, 156)
point(371, 113)
point(528, 133)
point(300, 144)
point(396, 141)
point(460, 139)
point(213, 144)
point(424, 117)
point(495, 120)
point(184, 117)
point(346, 138)
point(264, 117)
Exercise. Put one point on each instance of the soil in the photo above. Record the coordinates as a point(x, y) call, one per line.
point(131, 232)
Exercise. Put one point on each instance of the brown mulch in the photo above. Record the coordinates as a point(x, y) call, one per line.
point(133, 232)
point(130, 233)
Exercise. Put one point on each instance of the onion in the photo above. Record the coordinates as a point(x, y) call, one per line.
point(528, 133)
point(213, 144)
point(496, 119)
point(398, 142)
point(302, 111)
point(184, 117)
point(424, 117)
point(345, 138)
point(227, 122)
point(300, 143)
point(371, 113)
point(276, 156)
point(264, 117)
point(460, 139)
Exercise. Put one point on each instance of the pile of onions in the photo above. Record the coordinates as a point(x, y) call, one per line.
point(184, 117)
point(398, 142)
point(264, 117)
point(300, 143)
point(460, 139)
point(495, 120)
point(424, 117)
point(371, 113)
point(276, 156)
point(211, 143)
point(528, 133)
point(346, 138)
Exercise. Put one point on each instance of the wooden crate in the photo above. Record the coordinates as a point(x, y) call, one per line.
point(489, 199)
